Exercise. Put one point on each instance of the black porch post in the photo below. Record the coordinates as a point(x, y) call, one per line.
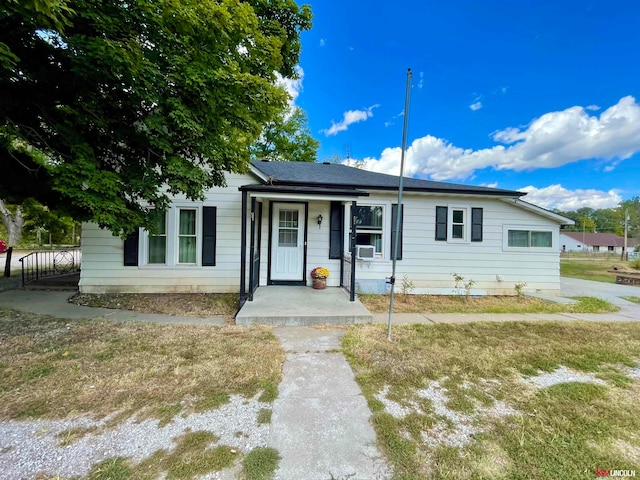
point(252, 250)
point(243, 248)
point(352, 247)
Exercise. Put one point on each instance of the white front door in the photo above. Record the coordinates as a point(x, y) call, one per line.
point(287, 242)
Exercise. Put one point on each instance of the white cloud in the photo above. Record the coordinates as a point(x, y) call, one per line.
point(554, 139)
point(556, 196)
point(593, 108)
point(421, 81)
point(475, 106)
point(293, 86)
point(348, 118)
point(322, 42)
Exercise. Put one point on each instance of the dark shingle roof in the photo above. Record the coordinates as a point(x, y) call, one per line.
point(336, 175)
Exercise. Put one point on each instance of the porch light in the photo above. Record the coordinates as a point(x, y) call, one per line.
point(319, 220)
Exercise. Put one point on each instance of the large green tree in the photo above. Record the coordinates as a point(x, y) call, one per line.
point(107, 106)
point(286, 138)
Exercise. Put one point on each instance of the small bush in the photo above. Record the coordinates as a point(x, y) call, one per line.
point(635, 264)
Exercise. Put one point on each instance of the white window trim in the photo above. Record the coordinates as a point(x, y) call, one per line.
point(172, 233)
point(467, 223)
point(198, 235)
point(386, 228)
point(535, 228)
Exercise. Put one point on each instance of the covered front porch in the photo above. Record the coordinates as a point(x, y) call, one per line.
point(289, 231)
point(299, 305)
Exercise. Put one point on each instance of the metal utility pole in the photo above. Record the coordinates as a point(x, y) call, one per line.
point(394, 258)
point(625, 255)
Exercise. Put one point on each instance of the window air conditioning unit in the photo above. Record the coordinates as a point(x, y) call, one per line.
point(365, 252)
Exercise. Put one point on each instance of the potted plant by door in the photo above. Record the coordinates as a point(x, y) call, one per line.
point(319, 276)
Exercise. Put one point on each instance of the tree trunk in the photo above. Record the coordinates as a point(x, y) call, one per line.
point(12, 222)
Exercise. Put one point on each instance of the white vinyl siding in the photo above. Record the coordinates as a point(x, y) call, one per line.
point(429, 263)
point(426, 262)
point(102, 265)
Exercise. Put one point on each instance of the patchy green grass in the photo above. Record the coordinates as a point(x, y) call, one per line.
point(193, 456)
point(592, 268)
point(260, 463)
point(489, 304)
point(264, 415)
point(52, 368)
point(519, 431)
point(633, 299)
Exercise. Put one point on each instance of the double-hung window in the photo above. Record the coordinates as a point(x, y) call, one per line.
point(369, 220)
point(459, 224)
point(184, 235)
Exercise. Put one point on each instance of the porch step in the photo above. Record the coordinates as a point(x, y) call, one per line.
point(301, 306)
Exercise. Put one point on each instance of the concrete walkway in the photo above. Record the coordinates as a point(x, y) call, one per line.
point(320, 422)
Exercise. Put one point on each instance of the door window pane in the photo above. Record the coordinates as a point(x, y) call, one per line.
point(288, 219)
point(287, 238)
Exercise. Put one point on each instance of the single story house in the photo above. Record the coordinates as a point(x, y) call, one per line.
point(591, 242)
point(274, 224)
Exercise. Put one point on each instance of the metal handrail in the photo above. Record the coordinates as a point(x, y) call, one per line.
point(49, 263)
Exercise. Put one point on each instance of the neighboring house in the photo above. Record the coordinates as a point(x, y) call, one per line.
point(591, 242)
point(273, 225)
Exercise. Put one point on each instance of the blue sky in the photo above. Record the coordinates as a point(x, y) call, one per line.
point(538, 95)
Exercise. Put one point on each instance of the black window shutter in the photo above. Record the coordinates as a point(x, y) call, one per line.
point(336, 230)
point(476, 224)
point(208, 236)
point(441, 223)
point(394, 222)
point(131, 249)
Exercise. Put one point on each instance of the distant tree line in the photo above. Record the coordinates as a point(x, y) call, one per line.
point(607, 220)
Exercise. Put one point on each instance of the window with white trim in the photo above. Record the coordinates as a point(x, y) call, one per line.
point(187, 236)
point(157, 241)
point(532, 238)
point(369, 220)
point(458, 222)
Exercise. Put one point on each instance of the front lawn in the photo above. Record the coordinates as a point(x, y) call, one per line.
point(53, 369)
point(516, 400)
point(592, 268)
point(489, 304)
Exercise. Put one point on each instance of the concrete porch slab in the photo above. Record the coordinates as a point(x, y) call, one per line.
point(299, 306)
